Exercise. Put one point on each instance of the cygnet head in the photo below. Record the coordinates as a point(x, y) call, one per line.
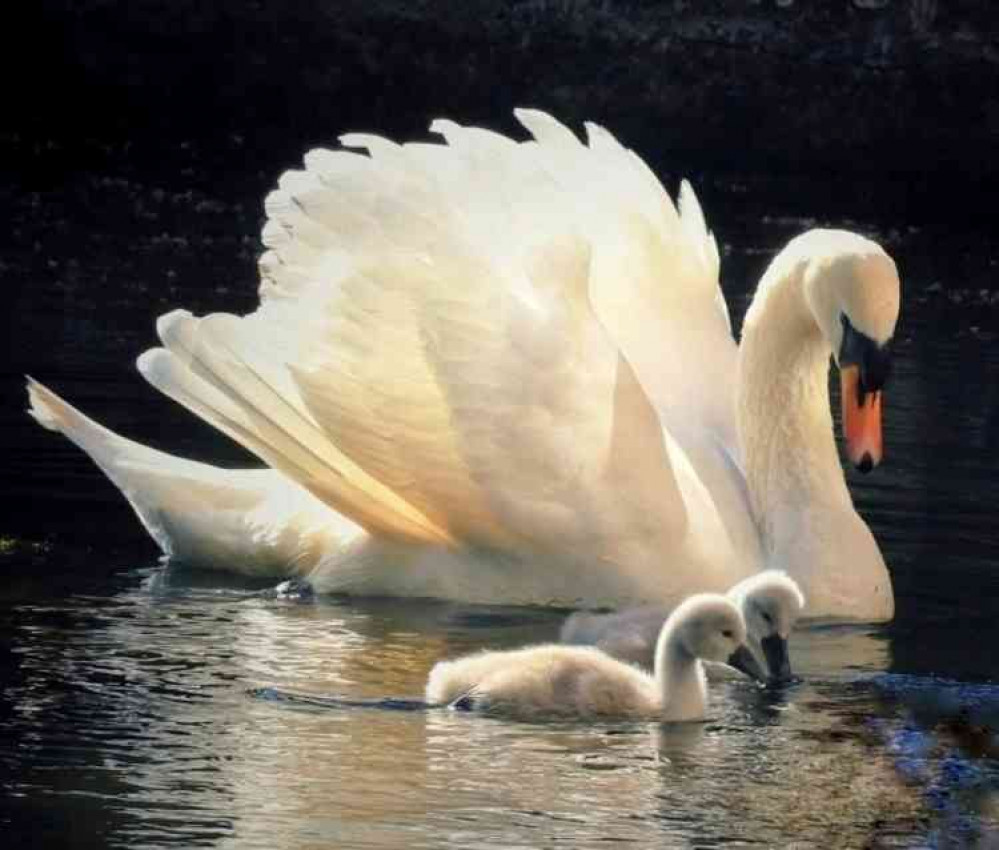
point(853, 291)
point(771, 603)
point(710, 627)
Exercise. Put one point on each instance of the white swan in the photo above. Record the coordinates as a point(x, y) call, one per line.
point(508, 368)
point(770, 603)
point(582, 681)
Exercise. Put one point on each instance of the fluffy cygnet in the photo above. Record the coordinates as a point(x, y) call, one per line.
point(553, 680)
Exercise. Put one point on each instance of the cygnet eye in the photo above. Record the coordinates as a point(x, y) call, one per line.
point(728, 633)
point(767, 618)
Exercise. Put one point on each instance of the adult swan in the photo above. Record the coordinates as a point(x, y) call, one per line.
point(504, 372)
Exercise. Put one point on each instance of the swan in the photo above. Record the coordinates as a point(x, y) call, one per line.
point(583, 681)
point(504, 372)
point(770, 603)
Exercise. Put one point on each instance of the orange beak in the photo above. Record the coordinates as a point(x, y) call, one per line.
point(861, 421)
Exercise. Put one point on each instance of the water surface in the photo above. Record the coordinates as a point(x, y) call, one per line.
point(134, 724)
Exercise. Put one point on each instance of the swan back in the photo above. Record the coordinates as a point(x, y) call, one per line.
point(629, 635)
point(547, 680)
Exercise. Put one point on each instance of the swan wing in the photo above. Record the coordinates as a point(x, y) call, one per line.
point(655, 276)
point(426, 359)
point(654, 285)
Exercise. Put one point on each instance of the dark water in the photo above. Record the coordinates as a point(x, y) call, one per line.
point(128, 716)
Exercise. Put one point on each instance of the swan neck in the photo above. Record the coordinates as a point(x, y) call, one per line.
point(680, 678)
point(784, 419)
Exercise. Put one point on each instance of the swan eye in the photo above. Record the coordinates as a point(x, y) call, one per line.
point(728, 633)
point(767, 618)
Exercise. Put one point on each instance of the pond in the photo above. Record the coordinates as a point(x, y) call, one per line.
point(147, 705)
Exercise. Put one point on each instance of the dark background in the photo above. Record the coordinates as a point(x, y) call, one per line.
point(903, 91)
point(138, 139)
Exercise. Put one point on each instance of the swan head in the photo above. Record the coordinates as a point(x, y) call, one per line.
point(853, 291)
point(770, 602)
point(710, 627)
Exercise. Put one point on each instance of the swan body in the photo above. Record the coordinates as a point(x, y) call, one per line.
point(504, 372)
point(770, 603)
point(583, 681)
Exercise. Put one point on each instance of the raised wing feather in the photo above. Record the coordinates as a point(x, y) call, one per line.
point(654, 279)
point(426, 358)
point(655, 287)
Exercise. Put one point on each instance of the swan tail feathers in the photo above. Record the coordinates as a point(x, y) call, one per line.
point(253, 521)
point(39, 407)
point(143, 475)
point(108, 449)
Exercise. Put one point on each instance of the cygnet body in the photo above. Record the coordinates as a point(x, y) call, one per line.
point(556, 680)
point(770, 602)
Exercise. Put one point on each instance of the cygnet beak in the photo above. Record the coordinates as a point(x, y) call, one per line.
point(745, 662)
point(775, 651)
